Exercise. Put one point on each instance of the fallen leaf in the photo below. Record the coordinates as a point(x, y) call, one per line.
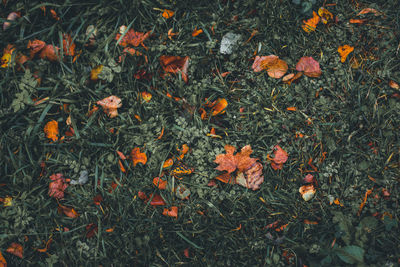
point(68, 45)
point(308, 179)
point(227, 162)
point(252, 178)
point(307, 192)
point(274, 66)
point(68, 211)
point(196, 32)
point(219, 106)
point(171, 212)
point(138, 157)
point(225, 178)
point(325, 15)
point(51, 130)
point(121, 166)
point(168, 13)
point(344, 51)
point(91, 230)
point(94, 73)
point(97, 199)
point(161, 184)
point(369, 10)
point(131, 37)
point(146, 96)
point(50, 52)
point(156, 201)
point(11, 17)
point(172, 34)
point(7, 56)
point(394, 85)
point(121, 155)
point(35, 47)
point(3, 262)
point(280, 157)
point(57, 186)
point(357, 21)
point(309, 66)
point(311, 24)
point(369, 191)
point(110, 105)
point(182, 192)
point(16, 249)
point(175, 64)
point(168, 163)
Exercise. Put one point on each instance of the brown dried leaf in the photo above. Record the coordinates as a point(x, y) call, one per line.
point(309, 66)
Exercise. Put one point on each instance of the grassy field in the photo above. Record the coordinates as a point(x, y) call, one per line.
point(77, 180)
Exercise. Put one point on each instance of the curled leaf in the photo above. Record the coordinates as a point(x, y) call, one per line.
point(16, 249)
point(138, 157)
point(94, 73)
point(344, 51)
point(325, 15)
point(196, 32)
point(307, 192)
point(51, 130)
point(274, 66)
point(175, 64)
point(280, 157)
point(68, 211)
point(252, 178)
point(309, 66)
point(110, 105)
point(7, 56)
point(168, 163)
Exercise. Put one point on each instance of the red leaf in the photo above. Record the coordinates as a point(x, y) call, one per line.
point(309, 66)
point(175, 64)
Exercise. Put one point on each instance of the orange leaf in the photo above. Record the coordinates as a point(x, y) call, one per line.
point(121, 155)
point(51, 130)
point(394, 85)
point(168, 163)
point(311, 24)
point(35, 46)
point(68, 45)
point(184, 150)
point(168, 13)
point(225, 178)
point(110, 105)
point(121, 166)
point(325, 15)
point(161, 184)
point(369, 10)
point(161, 134)
point(94, 74)
point(138, 157)
point(280, 155)
point(357, 21)
point(219, 107)
point(275, 67)
point(16, 249)
point(171, 212)
point(146, 96)
point(369, 191)
point(344, 51)
point(175, 64)
point(309, 66)
point(227, 162)
point(50, 52)
point(70, 212)
point(196, 32)
point(131, 37)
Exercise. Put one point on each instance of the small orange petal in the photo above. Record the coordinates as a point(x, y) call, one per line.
point(344, 51)
point(16, 249)
point(146, 96)
point(291, 108)
point(138, 157)
point(168, 13)
point(196, 32)
point(219, 107)
point(51, 130)
point(168, 163)
point(171, 212)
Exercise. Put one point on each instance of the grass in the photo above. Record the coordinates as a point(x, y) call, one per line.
point(348, 118)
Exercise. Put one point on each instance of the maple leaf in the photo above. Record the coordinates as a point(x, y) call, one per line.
point(227, 162)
